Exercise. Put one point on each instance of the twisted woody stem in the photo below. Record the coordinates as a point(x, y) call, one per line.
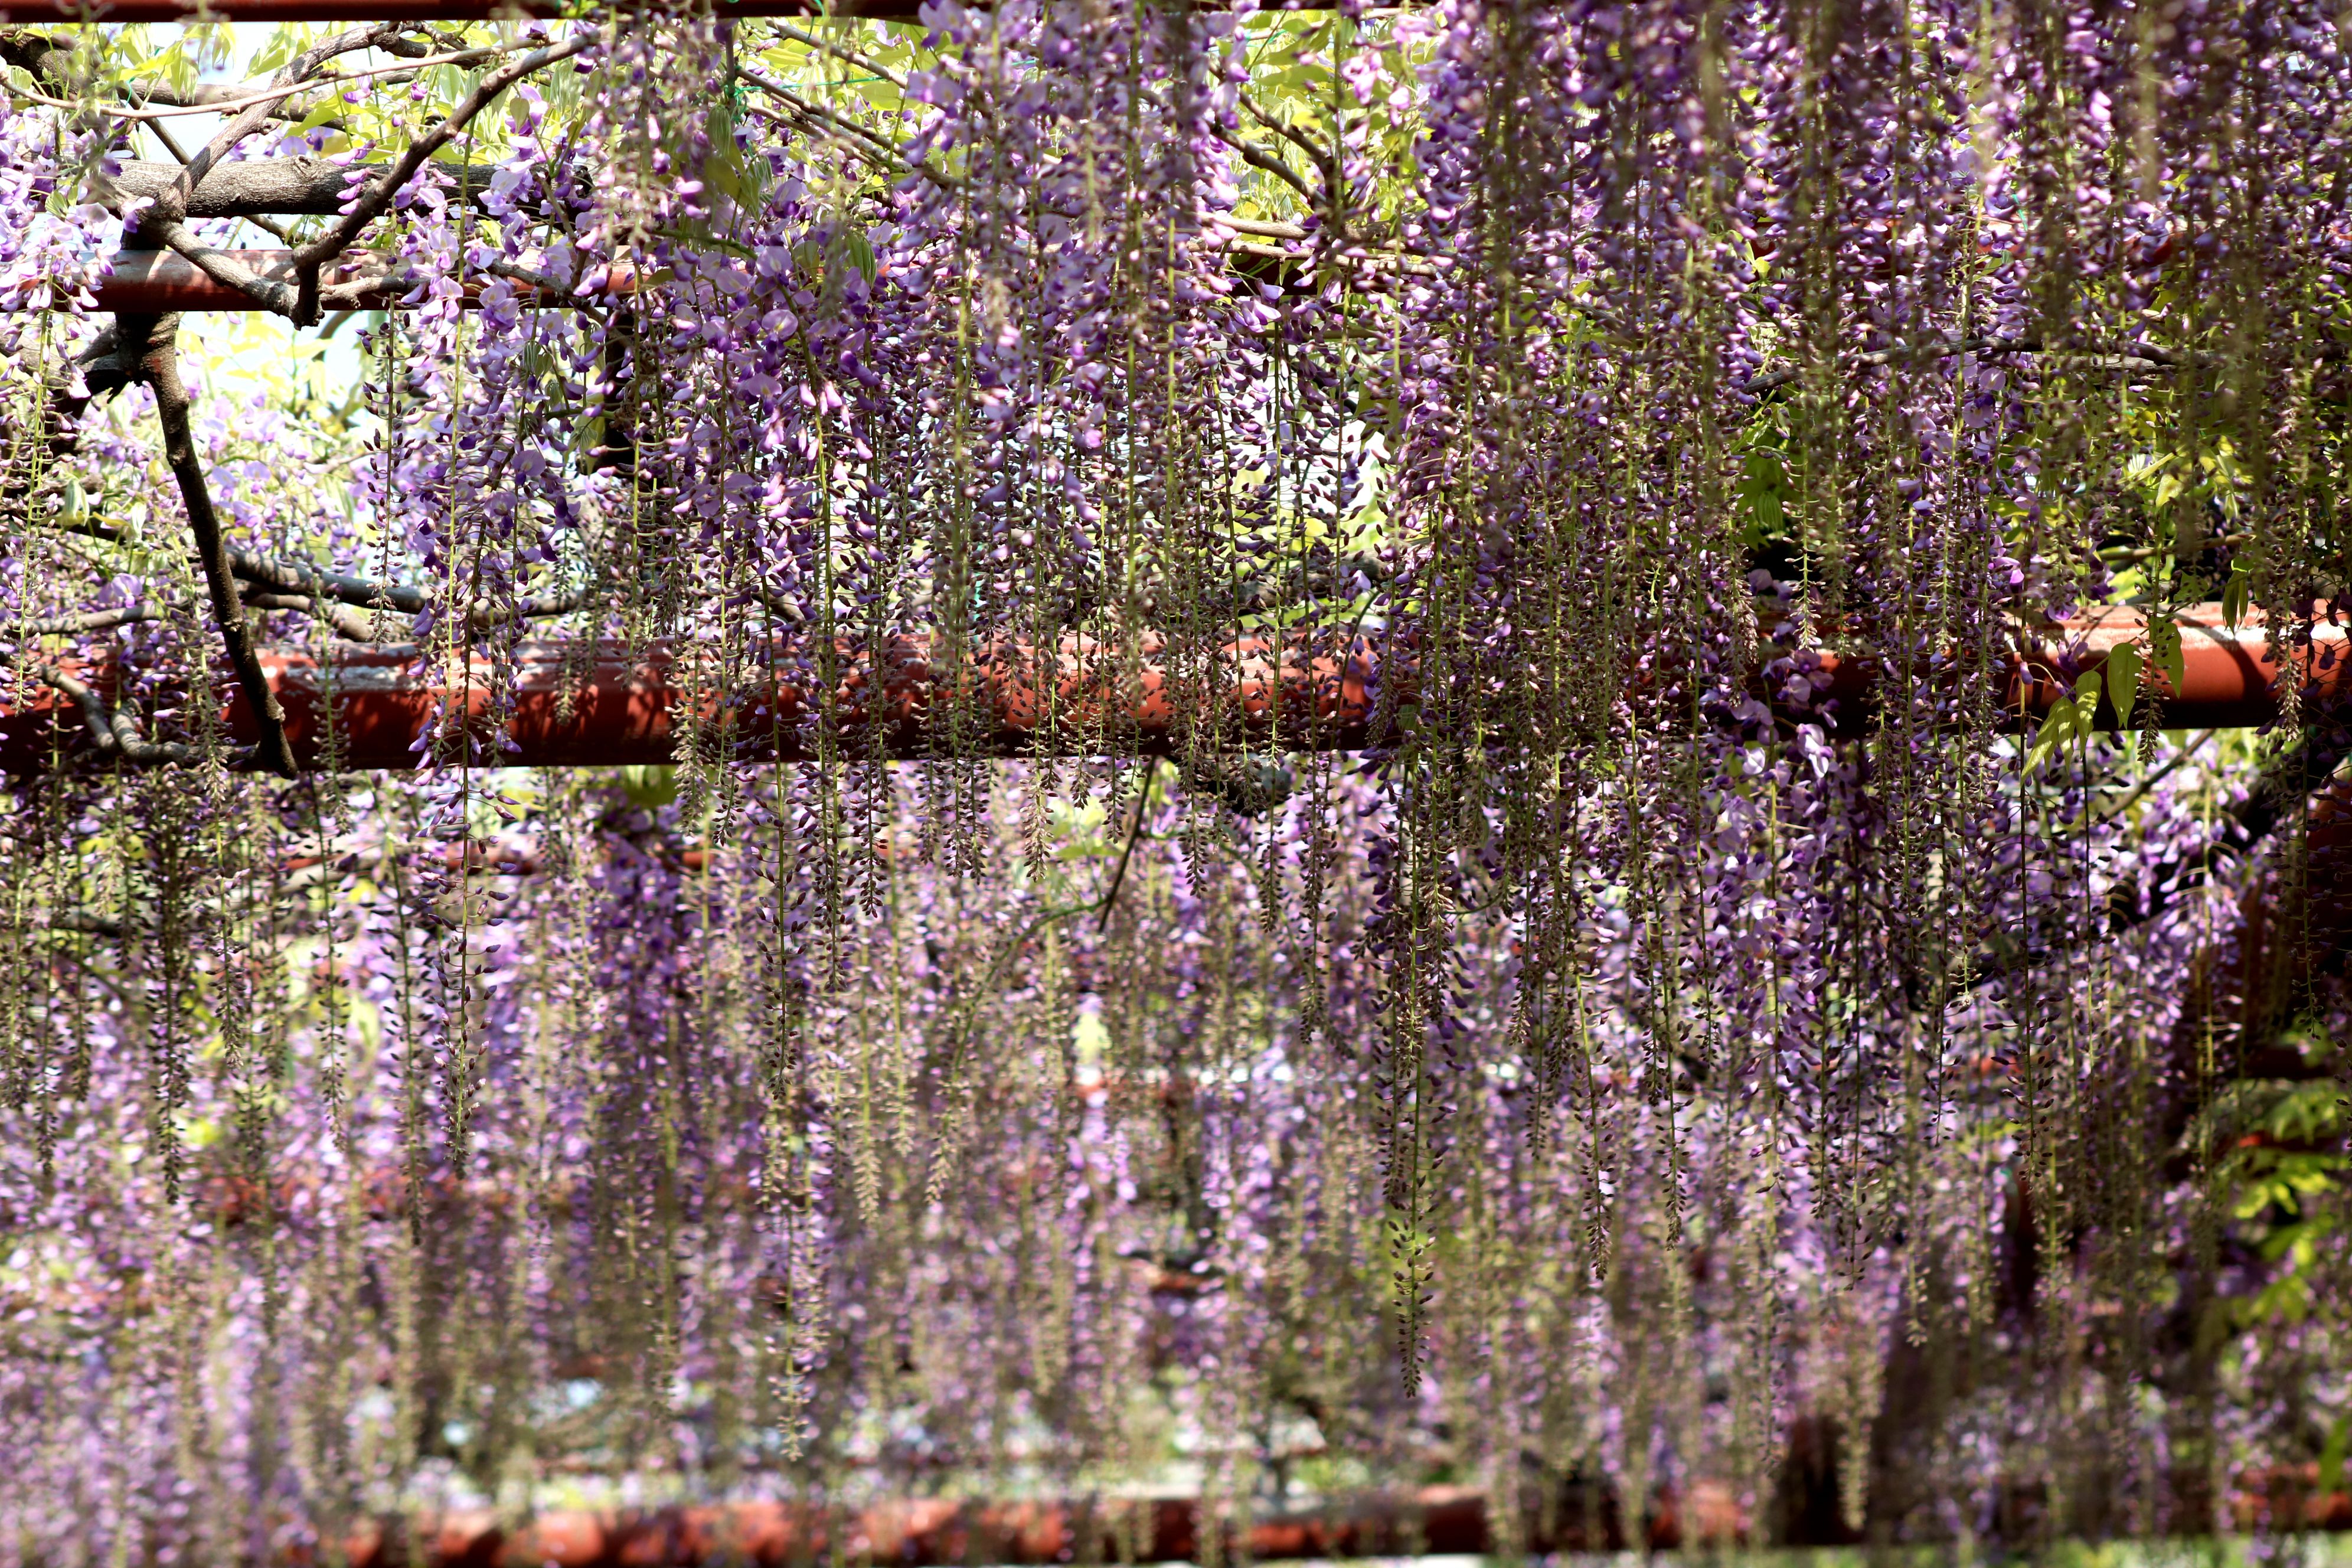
point(159, 367)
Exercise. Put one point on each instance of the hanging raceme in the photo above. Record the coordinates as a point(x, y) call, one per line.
point(1349, 773)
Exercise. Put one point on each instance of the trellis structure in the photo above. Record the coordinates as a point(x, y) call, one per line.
point(2231, 674)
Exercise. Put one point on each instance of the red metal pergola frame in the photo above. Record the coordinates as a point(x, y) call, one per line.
point(931, 1532)
point(619, 707)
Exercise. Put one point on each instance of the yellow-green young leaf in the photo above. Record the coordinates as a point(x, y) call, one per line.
point(2123, 682)
point(283, 45)
point(853, 248)
point(1762, 483)
point(2164, 642)
point(2057, 727)
point(331, 107)
point(2234, 598)
point(649, 785)
point(2087, 687)
point(2331, 1454)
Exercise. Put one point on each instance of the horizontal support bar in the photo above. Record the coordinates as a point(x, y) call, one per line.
point(2229, 678)
point(602, 706)
point(932, 1532)
point(936, 1532)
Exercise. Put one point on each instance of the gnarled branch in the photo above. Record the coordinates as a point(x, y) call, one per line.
point(97, 620)
point(115, 733)
point(297, 74)
point(159, 367)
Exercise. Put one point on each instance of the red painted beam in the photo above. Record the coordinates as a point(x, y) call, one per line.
point(2229, 676)
point(936, 1532)
point(607, 709)
point(155, 282)
point(933, 1533)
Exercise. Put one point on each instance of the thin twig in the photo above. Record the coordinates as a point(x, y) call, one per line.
point(2131, 357)
point(2149, 552)
point(1258, 157)
point(115, 733)
point(1287, 132)
point(2154, 779)
point(1255, 156)
point(310, 258)
point(100, 620)
point(1142, 799)
point(842, 52)
point(273, 95)
point(859, 140)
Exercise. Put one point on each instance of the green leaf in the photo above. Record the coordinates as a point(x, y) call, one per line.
point(283, 45)
point(2087, 687)
point(2123, 682)
point(649, 787)
point(1763, 483)
point(330, 107)
point(2234, 598)
point(2331, 1456)
point(852, 246)
point(2056, 728)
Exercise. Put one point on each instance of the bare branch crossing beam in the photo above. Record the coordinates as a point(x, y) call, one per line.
point(577, 706)
point(153, 283)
